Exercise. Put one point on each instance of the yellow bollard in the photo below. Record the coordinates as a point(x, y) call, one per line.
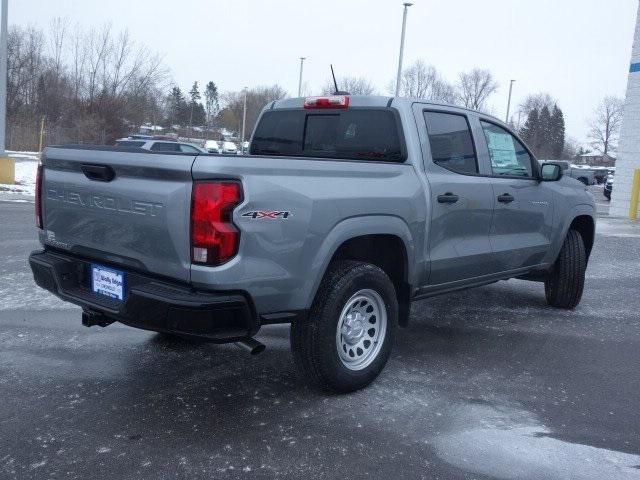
point(635, 194)
point(7, 170)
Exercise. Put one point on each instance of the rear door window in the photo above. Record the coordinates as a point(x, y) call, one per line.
point(451, 142)
point(358, 134)
point(165, 147)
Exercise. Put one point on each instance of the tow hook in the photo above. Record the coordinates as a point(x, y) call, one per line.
point(90, 318)
point(253, 346)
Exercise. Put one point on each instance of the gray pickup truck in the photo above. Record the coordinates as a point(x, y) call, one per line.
point(346, 210)
point(586, 176)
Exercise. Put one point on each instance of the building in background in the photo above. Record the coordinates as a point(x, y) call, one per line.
point(595, 159)
point(629, 147)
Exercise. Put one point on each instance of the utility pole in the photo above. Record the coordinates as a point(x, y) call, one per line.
point(3, 76)
point(509, 101)
point(404, 26)
point(244, 119)
point(302, 59)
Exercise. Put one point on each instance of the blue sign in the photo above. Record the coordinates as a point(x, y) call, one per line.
point(635, 67)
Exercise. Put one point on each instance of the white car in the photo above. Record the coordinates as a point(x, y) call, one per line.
point(212, 146)
point(230, 148)
point(160, 145)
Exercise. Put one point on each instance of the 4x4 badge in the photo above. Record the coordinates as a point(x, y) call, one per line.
point(270, 215)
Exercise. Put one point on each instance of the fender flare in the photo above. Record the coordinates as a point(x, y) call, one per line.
point(574, 212)
point(351, 228)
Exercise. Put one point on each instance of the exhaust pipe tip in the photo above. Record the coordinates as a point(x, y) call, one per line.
point(251, 345)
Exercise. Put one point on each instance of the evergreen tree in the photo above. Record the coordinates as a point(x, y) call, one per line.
point(176, 106)
point(530, 131)
point(194, 95)
point(212, 105)
point(557, 132)
point(545, 134)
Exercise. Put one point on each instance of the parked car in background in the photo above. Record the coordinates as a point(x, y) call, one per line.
point(608, 187)
point(212, 146)
point(583, 174)
point(160, 145)
point(229, 148)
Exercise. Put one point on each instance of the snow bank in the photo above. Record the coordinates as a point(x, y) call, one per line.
point(26, 168)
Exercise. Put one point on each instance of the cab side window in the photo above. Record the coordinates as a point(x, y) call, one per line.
point(508, 156)
point(165, 147)
point(451, 142)
point(188, 149)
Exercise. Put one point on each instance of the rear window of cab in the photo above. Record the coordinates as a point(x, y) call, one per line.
point(354, 134)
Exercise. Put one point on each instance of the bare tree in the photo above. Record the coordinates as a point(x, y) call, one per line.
point(78, 62)
point(570, 149)
point(424, 81)
point(230, 116)
point(531, 102)
point(25, 61)
point(605, 125)
point(475, 87)
point(59, 28)
point(353, 85)
point(80, 81)
point(98, 45)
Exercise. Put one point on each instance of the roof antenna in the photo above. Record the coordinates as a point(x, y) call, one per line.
point(335, 84)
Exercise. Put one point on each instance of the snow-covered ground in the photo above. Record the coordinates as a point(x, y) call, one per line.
point(24, 188)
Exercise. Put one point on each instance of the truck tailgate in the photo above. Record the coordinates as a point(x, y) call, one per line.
point(139, 218)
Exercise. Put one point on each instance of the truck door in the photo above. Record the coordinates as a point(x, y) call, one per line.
point(523, 207)
point(460, 197)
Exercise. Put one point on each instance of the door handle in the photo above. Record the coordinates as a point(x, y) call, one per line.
point(447, 198)
point(100, 173)
point(505, 198)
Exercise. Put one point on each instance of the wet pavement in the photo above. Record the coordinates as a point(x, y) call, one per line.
point(484, 383)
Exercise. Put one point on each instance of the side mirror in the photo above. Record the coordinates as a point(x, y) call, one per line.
point(550, 172)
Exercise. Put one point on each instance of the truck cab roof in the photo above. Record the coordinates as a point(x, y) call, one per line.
point(380, 101)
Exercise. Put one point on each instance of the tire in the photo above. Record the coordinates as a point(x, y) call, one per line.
point(355, 310)
point(565, 283)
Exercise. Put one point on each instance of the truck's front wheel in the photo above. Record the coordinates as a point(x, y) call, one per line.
point(563, 287)
point(347, 339)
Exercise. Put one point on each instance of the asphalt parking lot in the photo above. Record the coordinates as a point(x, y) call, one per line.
point(484, 384)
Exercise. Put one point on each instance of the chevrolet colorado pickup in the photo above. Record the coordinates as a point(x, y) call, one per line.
point(346, 210)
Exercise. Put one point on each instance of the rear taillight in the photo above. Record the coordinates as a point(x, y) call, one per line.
point(214, 238)
point(38, 199)
point(332, 101)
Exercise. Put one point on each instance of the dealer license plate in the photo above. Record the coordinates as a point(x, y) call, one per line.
point(107, 281)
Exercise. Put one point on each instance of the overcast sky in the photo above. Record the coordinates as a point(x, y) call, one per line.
point(577, 50)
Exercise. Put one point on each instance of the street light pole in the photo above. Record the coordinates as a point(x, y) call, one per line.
point(3, 76)
point(509, 101)
point(404, 25)
point(244, 119)
point(302, 59)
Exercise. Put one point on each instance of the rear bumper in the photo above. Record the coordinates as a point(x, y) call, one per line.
point(149, 303)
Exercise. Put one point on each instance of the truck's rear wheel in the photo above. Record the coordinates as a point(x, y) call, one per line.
point(563, 287)
point(347, 339)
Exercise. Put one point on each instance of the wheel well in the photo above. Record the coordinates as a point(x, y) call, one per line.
point(387, 252)
point(585, 226)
